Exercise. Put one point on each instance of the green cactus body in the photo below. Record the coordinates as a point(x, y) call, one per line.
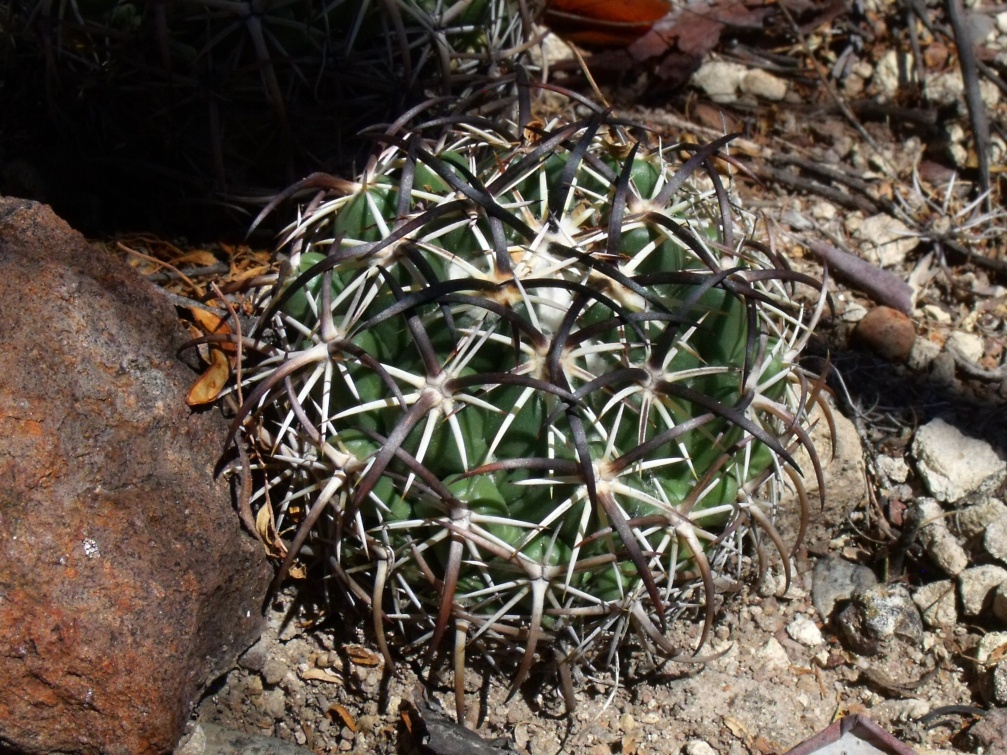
point(555, 384)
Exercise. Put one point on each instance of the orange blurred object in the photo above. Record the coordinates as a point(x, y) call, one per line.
point(605, 23)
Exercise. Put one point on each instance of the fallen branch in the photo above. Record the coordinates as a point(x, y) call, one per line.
point(882, 286)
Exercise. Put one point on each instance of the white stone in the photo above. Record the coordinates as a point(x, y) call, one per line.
point(886, 72)
point(803, 630)
point(773, 654)
point(995, 539)
point(989, 644)
point(698, 747)
point(764, 85)
point(923, 354)
point(969, 345)
point(720, 80)
point(953, 464)
point(937, 314)
point(946, 88)
point(824, 211)
point(973, 520)
point(1001, 19)
point(886, 240)
point(998, 684)
point(976, 586)
point(936, 602)
point(941, 546)
point(959, 155)
point(863, 69)
point(893, 468)
point(853, 312)
point(853, 221)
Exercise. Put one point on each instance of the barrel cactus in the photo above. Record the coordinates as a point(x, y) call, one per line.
point(527, 388)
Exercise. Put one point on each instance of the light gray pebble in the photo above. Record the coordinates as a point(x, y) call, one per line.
point(835, 580)
point(953, 464)
point(698, 747)
point(993, 672)
point(976, 586)
point(273, 672)
point(805, 631)
point(995, 539)
point(273, 702)
point(254, 688)
point(211, 739)
point(255, 657)
point(879, 615)
point(940, 545)
point(937, 603)
point(975, 519)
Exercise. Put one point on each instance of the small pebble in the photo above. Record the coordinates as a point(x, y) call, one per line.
point(773, 654)
point(273, 703)
point(994, 674)
point(273, 672)
point(887, 332)
point(698, 747)
point(886, 240)
point(836, 580)
point(936, 602)
point(940, 545)
point(878, 615)
point(975, 519)
point(952, 463)
point(255, 657)
point(805, 631)
point(995, 539)
point(969, 345)
point(976, 586)
point(924, 353)
point(764, 85)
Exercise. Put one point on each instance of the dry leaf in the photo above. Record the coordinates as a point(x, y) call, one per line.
point(361, 656)
point(213, 325)
point(338, 710)
point(199, 257)
point(265, 527)
point(209, 385)
point(321, 675)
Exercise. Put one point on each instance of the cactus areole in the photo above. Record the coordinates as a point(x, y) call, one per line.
point(527, 388)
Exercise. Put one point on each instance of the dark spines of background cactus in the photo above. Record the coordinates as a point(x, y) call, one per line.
point(201, 107)
point(528, 382)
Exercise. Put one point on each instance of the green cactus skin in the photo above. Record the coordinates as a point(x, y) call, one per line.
point(524, 382)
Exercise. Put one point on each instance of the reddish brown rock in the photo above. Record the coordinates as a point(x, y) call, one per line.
point(125, 582)
point(887, 332)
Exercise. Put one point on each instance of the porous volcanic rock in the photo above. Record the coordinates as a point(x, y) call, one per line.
point(125, 581)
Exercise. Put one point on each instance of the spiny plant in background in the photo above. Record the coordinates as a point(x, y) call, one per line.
point(526, 388)
point(242, 94)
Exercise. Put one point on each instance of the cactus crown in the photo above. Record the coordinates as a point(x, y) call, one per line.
point(526, 381)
